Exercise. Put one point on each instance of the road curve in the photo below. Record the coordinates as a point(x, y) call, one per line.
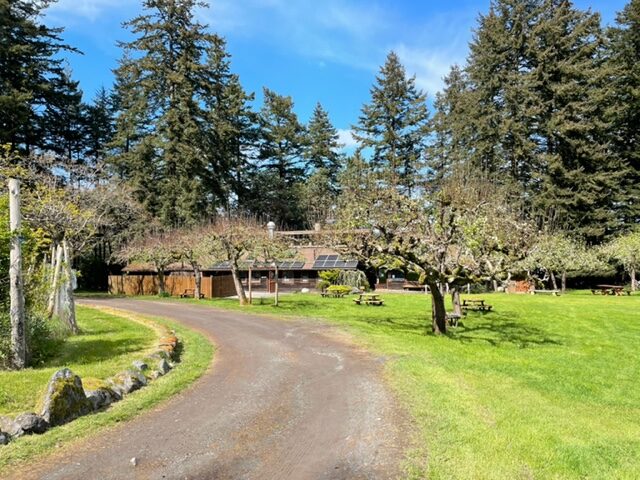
point(284, 400)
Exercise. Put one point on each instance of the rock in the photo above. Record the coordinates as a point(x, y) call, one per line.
point(159, 355)
point(134, 461)
point(31, 423)
point(304, 290)
point(127, 382)
point(4, 438)
point(65, 398)
point(140, 365)
point(163, 366)
point(102, 397)
point(10, 427)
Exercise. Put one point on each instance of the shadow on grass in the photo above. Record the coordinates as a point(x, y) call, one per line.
point(93, 351)
point(500, 329)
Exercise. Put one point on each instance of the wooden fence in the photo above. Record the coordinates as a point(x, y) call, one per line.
point(174, 285)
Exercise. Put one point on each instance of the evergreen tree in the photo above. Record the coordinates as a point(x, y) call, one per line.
point(394, 126)
point(32, 74)
point(161, 86)
point(323, 148)
point(623, 73)
point(231, 131)
point(499, 70)
point(452, 142)
point(579, 181)
point(98, 127)
point(276, 189)
point(64, 120)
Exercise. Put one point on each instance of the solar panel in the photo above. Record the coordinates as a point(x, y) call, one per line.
point(325, 262)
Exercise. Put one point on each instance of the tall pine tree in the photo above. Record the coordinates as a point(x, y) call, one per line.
point(322, 150)
point(393, 127)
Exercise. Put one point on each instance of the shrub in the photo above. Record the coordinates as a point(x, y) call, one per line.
point(353, 278)
point(330, 276)
point(42, 341)
point(340, 289)
point(323, 284)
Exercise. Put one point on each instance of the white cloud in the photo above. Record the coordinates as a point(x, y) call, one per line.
point(87, 9)
point(346, 138)
point(430, 66)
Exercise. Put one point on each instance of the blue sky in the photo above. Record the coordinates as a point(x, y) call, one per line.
point(325, 50)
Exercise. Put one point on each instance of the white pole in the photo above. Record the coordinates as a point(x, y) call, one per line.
point(18, 338)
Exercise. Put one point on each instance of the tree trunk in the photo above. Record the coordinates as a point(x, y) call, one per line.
point(455, 299)
point(494, 283)
point(238, 284)
point(439, 314)
point(52, 306)
point(564, 282)
point(161, 283)
point(16, 290)
point(277, 294)
point(198, 280)
point(634, 280)
point(553, 281)
point(70, 308)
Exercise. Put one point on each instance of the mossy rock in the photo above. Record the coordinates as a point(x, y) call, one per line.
point(65, 399)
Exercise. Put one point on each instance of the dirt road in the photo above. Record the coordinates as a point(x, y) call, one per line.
point(283, 400)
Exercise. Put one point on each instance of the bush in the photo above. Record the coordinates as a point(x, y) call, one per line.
point(340, 289)
point(42, 341)
point(323, 284)
point(330, 276)
point(353, 278)
point(164, 294)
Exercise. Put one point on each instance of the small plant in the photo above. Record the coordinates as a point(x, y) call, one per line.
point(340, 289)
point(323, 285)
point(164, 294)
point(330, 276)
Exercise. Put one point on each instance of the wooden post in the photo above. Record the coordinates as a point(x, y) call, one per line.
point(277, 275)
point(250, 286)
point(16, 293)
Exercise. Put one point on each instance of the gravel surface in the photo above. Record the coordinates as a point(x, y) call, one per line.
point(283, 400)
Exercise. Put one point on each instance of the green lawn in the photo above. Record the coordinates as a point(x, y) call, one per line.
point(543, 387)
point(108, 345)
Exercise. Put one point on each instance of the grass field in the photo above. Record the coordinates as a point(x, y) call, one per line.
point(542, 387)
point(107, 345)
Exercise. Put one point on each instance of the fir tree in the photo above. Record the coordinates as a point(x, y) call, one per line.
point(323, 147)
point(623, 73)
point(394, 126)
point(98, 127)
point(32, 74)
point(161, 83)
point(579, 182)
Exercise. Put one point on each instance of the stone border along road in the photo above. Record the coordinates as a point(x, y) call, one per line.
point(283, 400)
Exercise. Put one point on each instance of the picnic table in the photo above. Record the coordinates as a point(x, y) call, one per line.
point(477, 305)
point(369, 299)
point(190, 292)
point(610, 290)
point(453, 319)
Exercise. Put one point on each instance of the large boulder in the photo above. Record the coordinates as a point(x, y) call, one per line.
point(31, 423)
point(65, 399)
point(127, 382)
point(10, 427)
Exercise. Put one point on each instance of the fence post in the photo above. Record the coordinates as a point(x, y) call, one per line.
point(16, 292)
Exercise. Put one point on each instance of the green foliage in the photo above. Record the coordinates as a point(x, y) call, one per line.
point(340, 289)
point(323, 285)
point(43, 340)
point(353, 278)
point(394, 125)
point(322, 149)
point(330, 276)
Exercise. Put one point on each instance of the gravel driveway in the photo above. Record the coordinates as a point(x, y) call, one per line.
point(283, 400)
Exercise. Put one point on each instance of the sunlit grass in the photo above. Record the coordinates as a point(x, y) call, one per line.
point(541, 387)
point(195, 358)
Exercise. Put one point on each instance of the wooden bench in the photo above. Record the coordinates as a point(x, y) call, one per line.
point(190, 292)
point(555, 293)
